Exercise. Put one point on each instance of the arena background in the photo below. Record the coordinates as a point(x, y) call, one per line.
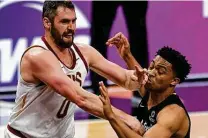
point(181, 24)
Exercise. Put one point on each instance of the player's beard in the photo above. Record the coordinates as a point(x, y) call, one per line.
point(58, 38)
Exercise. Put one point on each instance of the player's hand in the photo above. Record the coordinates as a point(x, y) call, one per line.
point(142, 75)
point(121, 43)
point(107, 110)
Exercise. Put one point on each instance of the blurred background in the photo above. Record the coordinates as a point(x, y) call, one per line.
point(149, 25)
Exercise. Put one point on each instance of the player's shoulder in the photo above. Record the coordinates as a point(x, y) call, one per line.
point(87, 50)
point(173, 110)
point(172, 116)
point(37, 52)
point(83, 47)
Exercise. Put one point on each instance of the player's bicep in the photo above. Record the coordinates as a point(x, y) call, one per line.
point(44, 65)
point(106, 68)
point(169, 121)
point(46, 68)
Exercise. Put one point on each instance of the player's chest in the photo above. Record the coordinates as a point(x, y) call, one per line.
point(77, 74)
point(148, 118)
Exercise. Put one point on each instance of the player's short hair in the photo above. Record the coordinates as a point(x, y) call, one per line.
point(180, 64)
point(50, 7)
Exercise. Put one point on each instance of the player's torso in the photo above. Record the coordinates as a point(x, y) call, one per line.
point(148, 117)
point(40, 111)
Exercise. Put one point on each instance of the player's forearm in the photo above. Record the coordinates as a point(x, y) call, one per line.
point(130, 61)
point(121, 129)
point(82, 98)
point(129, 120)
point(92, 104)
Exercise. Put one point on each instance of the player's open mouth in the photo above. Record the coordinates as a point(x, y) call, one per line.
point(68, 36)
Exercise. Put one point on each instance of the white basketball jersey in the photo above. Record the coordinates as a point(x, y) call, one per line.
point(40, 112)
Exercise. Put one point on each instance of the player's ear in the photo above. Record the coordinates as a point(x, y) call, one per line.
point(46, 23)
point(175, 81)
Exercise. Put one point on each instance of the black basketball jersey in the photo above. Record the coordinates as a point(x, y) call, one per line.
point(148, 117)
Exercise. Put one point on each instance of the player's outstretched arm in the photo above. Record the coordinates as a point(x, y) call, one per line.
point(122, 130)
point(109, 70)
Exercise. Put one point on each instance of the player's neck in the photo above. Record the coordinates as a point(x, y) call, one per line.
point(157, 97)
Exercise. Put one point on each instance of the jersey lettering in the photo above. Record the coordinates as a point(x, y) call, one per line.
point(65, 105)
point(77, 78)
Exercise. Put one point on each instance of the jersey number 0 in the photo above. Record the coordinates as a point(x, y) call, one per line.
point(63, 109)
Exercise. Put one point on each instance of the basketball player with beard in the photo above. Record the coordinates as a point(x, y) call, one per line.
point(51, 75)
point(161, 111)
